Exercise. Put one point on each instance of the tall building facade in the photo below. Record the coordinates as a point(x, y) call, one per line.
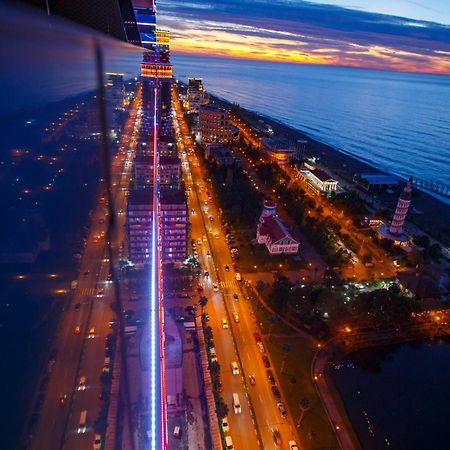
point(169, 172)
point(213, 125)
point(195, 94)
point(174, 226)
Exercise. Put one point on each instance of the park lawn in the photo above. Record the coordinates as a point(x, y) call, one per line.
point(315, 431)
point(262, 317)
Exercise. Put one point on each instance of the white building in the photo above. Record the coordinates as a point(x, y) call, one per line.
point(319, 180)
point(272, 232)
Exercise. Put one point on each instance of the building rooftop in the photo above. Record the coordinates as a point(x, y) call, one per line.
point(168, 197)
point(163, 160)
point(140, 197)
point(321, 175)
point(278, 145)
point(274, 228)
point(379, 178)
point(173, 197)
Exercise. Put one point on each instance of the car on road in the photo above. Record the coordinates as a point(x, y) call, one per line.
point(199, 241)
point(260, 346)
point(224, 323)
point(206, 274)
point(77, 306)
point(77, 329)
point(225, 425)
point(212, 352)
point(293, 445)
point(276, 392)
point(257, 336)
point(208, 254)
point(265, 361)
point(63, 400)
point(276, 435)
point(204, 238)
point(229, 443)
point(91, 334)
point(282, 409)
point(82, 384)
point(99, 293)
point(97, 442)
point(196, 254)
point(235, 297)
point(106, 364)
point(227, 267)
point(270, 377)
point(190, 310)
point(251, 379)
point(86, 273)
point(236, 317)
point(215, 288)
point(234, 368)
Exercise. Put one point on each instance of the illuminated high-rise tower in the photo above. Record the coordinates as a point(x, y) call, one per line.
point(156, 73)
point(145, 13)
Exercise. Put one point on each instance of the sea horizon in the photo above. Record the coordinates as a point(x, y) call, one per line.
point(394, 121)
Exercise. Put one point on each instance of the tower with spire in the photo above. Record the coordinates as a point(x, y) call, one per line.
point(401, 210)
point(394, 231)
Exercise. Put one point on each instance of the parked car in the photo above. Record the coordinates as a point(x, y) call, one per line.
point(265, 361)
point(270, 377)
point(282, 409)
point(276, 392)
point(225, 425)
point(276, 437)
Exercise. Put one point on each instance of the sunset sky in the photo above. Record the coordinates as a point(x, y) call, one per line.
point(399, 35)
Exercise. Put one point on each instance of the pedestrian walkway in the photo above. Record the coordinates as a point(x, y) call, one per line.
point(228, 284)
point(87, 291)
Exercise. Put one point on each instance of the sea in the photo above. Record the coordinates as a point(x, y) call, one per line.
point(397, 122)
point(397, 396)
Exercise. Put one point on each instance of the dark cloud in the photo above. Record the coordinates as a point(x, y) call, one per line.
point(315, 25)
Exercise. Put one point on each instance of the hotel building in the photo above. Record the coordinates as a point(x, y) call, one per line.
point(174, 221)
point(213, 126)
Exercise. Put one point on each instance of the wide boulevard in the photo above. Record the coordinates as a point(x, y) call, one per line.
point(236, 343)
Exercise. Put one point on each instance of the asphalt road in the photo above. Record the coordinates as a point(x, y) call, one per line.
point(222, 305)
point(77, 354)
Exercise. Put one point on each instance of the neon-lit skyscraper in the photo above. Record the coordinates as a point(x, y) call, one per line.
point(145, 13)
point(156, 75)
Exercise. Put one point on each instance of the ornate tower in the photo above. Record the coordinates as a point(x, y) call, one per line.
point(401, 210)
point(269, 209)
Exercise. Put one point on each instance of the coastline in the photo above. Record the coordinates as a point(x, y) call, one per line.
point(428, 212)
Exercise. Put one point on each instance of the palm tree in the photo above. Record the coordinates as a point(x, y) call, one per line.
point(305, 404)
point(286, 348)
point(202, 302)
point(272, 319)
